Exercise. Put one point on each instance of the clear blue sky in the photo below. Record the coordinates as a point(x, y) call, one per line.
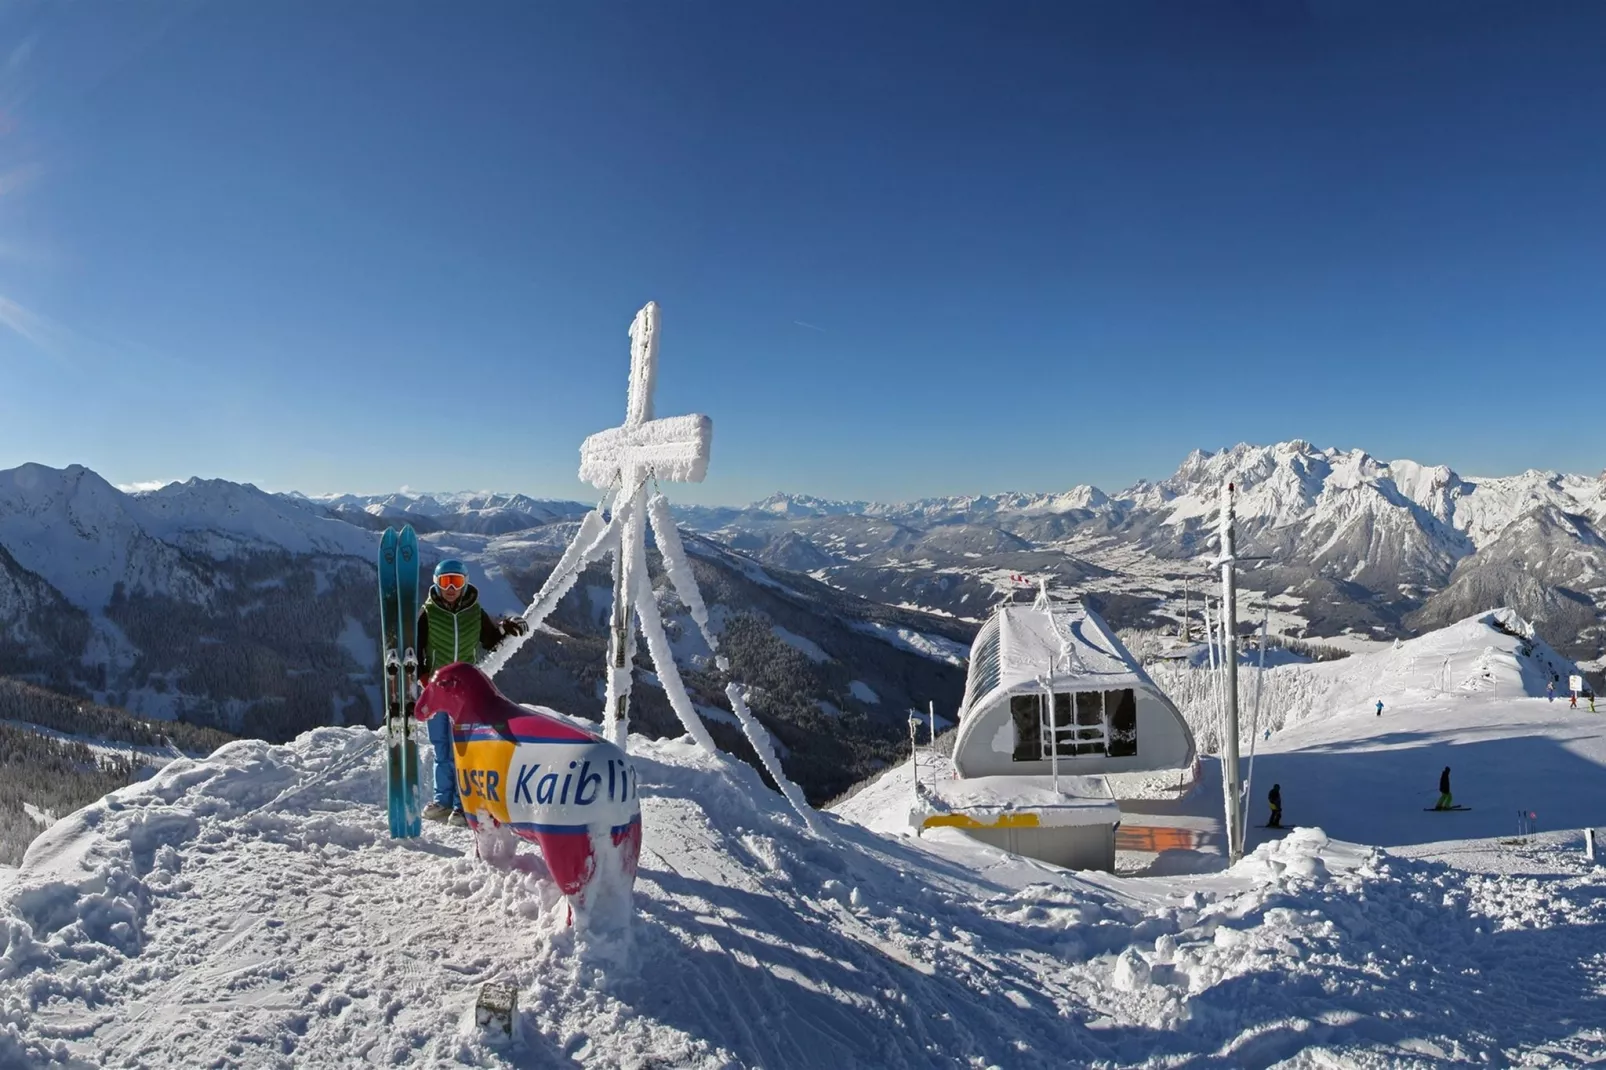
point(902, 249)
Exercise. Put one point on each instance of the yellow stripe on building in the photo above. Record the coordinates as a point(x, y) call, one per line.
point(965, 821)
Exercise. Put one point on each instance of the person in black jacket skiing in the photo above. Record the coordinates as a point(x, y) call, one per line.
point(1445, 802)
point(1275, 797)
point(453, 627)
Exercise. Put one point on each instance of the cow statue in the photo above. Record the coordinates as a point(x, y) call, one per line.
point(540, 778)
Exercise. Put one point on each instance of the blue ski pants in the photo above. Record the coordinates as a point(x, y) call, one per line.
point(440, 734)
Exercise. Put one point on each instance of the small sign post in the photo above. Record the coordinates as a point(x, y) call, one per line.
point(496, 1008)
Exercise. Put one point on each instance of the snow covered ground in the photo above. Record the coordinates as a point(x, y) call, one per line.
point(249, 910)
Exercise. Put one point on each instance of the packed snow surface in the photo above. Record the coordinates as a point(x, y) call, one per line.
point(249, 910)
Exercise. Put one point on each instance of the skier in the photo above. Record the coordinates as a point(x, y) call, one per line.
point(1380, 707)
point(1275, 797)
point(1572, 703)
point(452, 627)
point(1550, 691)
point(1445, 802)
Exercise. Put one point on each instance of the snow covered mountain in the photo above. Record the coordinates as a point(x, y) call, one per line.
point(86, 538)
point(248, 909)
point(216, 602)
point(166, 601)
point(277, 588)
point(219, 519)
point(478, 513)
point(1354, 543)
point(36, 622)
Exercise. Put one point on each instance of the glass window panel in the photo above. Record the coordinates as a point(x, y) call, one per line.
point(1027, 712)
point(1122, 707)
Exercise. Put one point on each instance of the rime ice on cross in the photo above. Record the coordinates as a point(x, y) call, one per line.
point(623, 460)
point(675, 448)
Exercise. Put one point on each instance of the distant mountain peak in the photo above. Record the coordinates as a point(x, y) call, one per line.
point(783, 504)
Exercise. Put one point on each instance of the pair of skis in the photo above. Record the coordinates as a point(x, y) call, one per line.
point(398, 645)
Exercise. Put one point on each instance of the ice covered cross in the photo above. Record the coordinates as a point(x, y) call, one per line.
point(674, 448)
point(622, 460)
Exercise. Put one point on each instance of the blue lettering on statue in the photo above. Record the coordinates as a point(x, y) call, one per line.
point(546, 789)
point(586, 776)
point(492, 777)
point(521, 787)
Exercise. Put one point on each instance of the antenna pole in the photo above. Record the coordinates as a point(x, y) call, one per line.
point(914, 753)
point(1054, 735)
point(1230, 782)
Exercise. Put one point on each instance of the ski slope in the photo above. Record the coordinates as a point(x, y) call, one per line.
point(1471, 696)
point(249, 910)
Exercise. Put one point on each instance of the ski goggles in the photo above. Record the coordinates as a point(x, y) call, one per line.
point(451, 582)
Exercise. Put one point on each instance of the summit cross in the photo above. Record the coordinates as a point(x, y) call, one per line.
point(675, 448)
point(623, 459)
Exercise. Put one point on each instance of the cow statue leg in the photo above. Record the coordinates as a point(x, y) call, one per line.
point(494, 842)
point(535, 775)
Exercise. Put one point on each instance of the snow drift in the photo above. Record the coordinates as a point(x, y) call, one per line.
point(248, 909)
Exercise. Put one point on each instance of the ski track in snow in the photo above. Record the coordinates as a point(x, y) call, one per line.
point(249, 910)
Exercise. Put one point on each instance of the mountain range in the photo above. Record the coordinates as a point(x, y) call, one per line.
point(1351, 545)
point(225, 605)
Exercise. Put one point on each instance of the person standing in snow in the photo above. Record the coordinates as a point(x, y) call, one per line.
point(1445, 802)
point(1550, 691)
point(1275, 797)
point(452, 627)
point(1380, 707)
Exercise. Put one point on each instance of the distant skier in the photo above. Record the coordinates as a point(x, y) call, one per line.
point(1275, 798)
point(1380, 707)
point(1445, 802)
point(1550, 691)
point(1572, 702)
point(452, 627)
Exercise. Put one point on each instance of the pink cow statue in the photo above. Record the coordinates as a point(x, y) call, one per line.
point(540, 778)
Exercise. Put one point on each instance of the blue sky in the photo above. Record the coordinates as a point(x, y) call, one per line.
point(901, 249)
